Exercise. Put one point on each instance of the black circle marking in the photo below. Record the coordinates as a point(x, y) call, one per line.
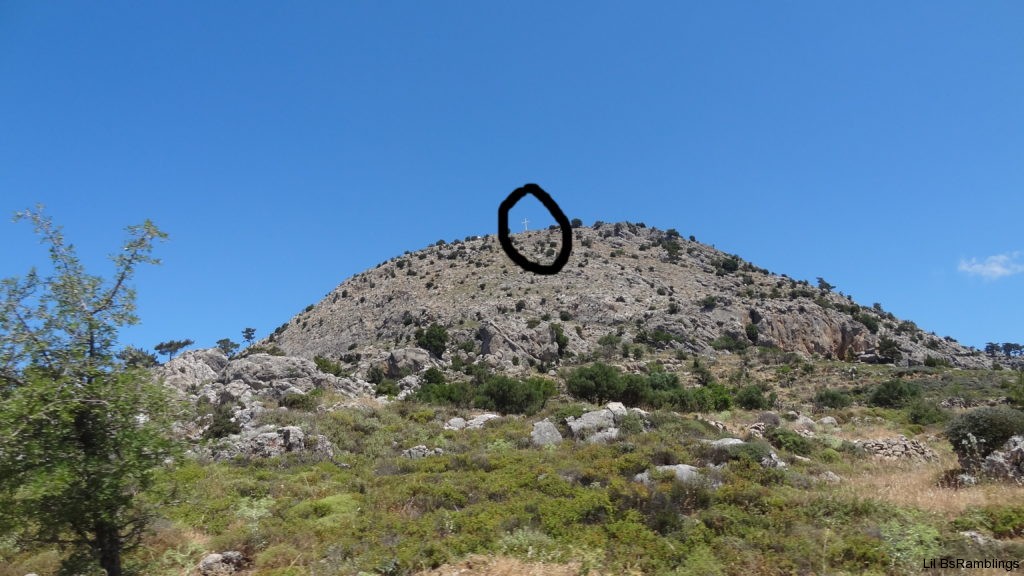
point(563, 223)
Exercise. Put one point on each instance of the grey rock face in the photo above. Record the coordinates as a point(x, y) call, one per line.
point(591, 422)
point(1007, 463)
point(830, 477)
point(828, 422)
point(407, 360)
point(682, 472)
point(221, 564)
point(545, 434)
point(267, 442)
point(274, 375)
point(192, 369)
point(604, 436)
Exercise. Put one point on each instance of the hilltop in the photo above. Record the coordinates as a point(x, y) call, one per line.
point(642, 285)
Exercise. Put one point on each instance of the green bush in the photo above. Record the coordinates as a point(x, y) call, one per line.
point(434, 339)
point(222, 424)
point(511, 396)
point(433, 376)
point(926, 412)
point(991, 427)
point(831, 398)
point(597, 383)
point(306, 402)
point(785, 439)
point(387, 387)
point(894, 393)
point(728, 342)
point(328, 367)
point(752, 397)
point(460, 394)
point(752, 332)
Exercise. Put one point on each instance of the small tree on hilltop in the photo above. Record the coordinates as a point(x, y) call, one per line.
point(137, 358)
point(249, 334)
point(227, 346)
point(80, 434)
point(171, 347)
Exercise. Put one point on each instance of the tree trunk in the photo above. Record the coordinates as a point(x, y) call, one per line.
point(108, 545)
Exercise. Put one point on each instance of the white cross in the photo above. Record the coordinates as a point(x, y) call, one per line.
point(525, 222)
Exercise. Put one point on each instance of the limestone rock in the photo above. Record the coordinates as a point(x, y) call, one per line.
point(455, 423)
point(478, 422)
point(267, 442)
point(545, 433)
point(828, 422)
point(803, 423)
point(591, 422)
point(1006, 463)
point(221, 564)
point(770, 420)
point(421, 451)
point(725, 442)
point(682, 472)
point(192, 369)
point(604, 436)
point(407, 360)
point(830, 477)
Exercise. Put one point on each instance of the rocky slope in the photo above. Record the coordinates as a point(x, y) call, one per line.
point(639, 284)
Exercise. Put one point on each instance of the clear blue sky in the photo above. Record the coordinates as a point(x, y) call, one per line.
point(287, 146)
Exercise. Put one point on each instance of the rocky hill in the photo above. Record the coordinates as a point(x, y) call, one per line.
point(641, 285)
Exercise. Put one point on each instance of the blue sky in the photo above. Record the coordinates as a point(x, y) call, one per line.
point(287, 146)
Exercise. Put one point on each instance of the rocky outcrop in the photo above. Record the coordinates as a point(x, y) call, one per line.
point(590, 422)
point(192, 369)
point(404, 361)
point(1006, 463)
point(474, 423)
point(267, 442)
point(899, 448)
point(221, 564)
point(421, 451)
point(680, 472)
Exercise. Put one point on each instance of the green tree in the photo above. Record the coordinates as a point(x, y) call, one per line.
point(249, 334)
point(80, 434)
point(171, 347)
point(137, 357)
point(227, 346)
point(823, 285)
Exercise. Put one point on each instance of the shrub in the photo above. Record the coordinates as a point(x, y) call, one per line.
point(561, 340)
point(597, 383)
point(387, 387)
point(433, 376)
point(510, 396)
point(433, 340)
point(990, 426)
point(894, 393)
point(785, 439)
point(223, 423)
point(752, 397)
point(327, 366)
point(926, 412)
point(459, 394)
point(933, 362)
point(708, 302)
point(306, 402)
point(728, 342)
point(752, 332)
point(830, 398)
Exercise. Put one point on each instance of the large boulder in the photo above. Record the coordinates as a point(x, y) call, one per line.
point(591, 422)
point(1007, 462)
point(545, 433)
point(404, 361)
point(221, 564)
point(193, 369)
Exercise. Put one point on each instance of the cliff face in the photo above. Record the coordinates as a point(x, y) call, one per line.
point(624, 284)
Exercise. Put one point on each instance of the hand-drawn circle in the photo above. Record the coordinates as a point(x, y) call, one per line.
point(563, 223)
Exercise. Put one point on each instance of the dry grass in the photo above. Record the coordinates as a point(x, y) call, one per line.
point(505, 566)
point(915, 485)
